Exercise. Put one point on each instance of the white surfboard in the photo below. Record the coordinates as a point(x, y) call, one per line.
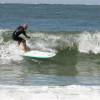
point(39, 54)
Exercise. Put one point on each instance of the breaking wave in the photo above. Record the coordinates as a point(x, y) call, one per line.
point(83, 42)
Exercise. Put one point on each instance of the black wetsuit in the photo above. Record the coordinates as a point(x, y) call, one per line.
point(17, 32)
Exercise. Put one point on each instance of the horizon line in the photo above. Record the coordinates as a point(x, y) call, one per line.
point(50, 3)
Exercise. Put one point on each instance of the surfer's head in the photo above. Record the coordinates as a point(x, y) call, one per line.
point(25, 26)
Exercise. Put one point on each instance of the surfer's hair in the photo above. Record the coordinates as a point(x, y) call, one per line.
point(25, 26)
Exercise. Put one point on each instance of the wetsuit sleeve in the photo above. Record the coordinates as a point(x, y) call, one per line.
point(24, 33)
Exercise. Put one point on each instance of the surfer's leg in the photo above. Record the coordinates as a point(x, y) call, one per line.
point(24, 46)
point(21, 44)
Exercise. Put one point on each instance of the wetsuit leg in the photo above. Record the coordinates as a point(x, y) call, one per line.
point(19, 39)
point(21, 43)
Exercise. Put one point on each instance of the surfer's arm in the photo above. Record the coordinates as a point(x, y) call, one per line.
point(24, 33)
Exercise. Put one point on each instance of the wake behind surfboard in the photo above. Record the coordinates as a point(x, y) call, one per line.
point(39, 54)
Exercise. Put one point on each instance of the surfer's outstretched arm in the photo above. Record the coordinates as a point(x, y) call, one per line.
point(24, 33)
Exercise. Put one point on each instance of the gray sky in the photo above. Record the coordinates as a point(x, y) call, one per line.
point(93, 2)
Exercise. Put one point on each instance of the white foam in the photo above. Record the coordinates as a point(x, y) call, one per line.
point(43, 41)
point(73, 92)
point(89, 42)
point(3, 30)
point(9, 52)
point(86, 42)
point(1, 33)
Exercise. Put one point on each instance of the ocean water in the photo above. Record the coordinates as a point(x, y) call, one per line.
point(72, 31)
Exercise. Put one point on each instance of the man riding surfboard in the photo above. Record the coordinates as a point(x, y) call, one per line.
point(16, 36)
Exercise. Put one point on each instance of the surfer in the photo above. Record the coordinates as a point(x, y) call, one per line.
point(16, 36)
